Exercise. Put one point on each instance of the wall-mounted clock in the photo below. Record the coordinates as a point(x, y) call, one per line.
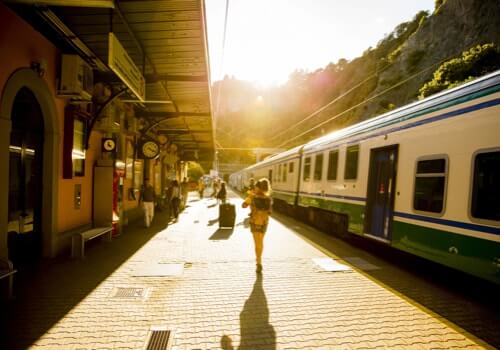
point(150, 149)
point(108, 145)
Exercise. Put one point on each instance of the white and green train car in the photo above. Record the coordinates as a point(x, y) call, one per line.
point(424, 178)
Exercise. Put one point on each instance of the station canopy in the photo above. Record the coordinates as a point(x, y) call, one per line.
point(167, 42)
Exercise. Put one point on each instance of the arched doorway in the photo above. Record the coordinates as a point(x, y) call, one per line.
point(25, 179)
point(25, 84)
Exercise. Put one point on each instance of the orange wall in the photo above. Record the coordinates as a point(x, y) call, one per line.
point(69, 217)
point(20, 44)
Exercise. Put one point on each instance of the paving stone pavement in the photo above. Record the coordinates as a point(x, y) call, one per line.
point(218, 300)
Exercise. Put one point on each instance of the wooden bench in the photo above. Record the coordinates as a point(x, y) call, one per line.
point(7, 271)
point(78, 239)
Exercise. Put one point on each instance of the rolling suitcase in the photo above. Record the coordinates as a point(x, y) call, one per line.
point(227, 215)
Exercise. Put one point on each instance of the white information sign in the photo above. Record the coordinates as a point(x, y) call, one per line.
point(120, 62)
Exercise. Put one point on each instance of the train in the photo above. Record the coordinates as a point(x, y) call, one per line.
point(423, 178)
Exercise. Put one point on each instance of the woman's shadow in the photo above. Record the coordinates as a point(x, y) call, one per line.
point(255, 329)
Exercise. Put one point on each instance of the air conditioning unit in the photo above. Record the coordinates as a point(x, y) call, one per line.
point(77, 78)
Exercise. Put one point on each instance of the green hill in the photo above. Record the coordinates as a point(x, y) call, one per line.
point(458, 41)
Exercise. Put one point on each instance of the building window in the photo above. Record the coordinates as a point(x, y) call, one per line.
point(290, 167)
point(318, 167)
point(78, 152)
point(333, 160)
point(351, 163)
point(486, 186)
point(430, 181)
point(284, 172)
point(307, 169)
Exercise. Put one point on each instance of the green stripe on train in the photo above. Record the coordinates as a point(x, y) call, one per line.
point(476, 256)
point(288, 198)
point(473, 255)
point(354, 211)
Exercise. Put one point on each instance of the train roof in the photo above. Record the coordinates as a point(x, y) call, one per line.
point(406, 112)
point(291, 153)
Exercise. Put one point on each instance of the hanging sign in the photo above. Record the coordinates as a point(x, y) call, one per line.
point(124, 67)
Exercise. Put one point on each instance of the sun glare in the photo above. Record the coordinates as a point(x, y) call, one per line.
point(266, 41)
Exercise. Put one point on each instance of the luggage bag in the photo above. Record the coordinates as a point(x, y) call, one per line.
point(227, 215)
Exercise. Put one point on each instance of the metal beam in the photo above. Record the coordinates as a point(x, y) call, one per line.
point(182, 132)
point(167, 115)
point(72, 3)
point(153, 78)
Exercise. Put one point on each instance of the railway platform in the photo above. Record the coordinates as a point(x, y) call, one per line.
point(195, 286)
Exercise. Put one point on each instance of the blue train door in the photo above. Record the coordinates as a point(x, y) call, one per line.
point(380, 195)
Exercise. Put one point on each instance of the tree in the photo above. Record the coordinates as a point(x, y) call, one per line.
point(473, 63)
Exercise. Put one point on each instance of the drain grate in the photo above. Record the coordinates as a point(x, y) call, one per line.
point(159, 340)
point(129, 293)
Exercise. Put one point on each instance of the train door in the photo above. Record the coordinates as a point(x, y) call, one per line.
point(25, 179)
point(380, 195)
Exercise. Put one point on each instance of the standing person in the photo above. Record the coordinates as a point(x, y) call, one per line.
point(184, 192)
point(215, 187)
point(148, 202)
point(175, 200)
point(201, 187)
point(260, 204)
point(221, 195)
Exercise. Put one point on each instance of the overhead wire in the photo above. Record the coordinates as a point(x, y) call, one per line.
point(222, 59)
point(364, 102)
point(315, 113)
point(217, 108)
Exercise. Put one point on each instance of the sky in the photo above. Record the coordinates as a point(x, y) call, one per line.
point(266, 40)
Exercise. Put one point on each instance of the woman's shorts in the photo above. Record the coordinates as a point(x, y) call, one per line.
point(258, 228)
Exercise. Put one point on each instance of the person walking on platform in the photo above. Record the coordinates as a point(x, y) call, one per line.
point(201, 187)
point(260, 204)
point(148, 202)
point(175, 199)
point(184, 192)
point(221, 195)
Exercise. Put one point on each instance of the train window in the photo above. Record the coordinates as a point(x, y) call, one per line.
point(486, 186)
point(284, 172)
point(351, 163)
point(307, 169)
point(333, 160)
point(318, 167)
point(430, 181)
point(290, 167)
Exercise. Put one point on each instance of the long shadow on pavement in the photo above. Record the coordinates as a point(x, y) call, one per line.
point(221, 234)
point(255, 329)
point(443, 290)
point(47, 292)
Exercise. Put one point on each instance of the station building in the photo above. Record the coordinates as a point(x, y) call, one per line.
point(95, 96)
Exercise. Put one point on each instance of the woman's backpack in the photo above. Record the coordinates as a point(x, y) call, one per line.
point(262, 203)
